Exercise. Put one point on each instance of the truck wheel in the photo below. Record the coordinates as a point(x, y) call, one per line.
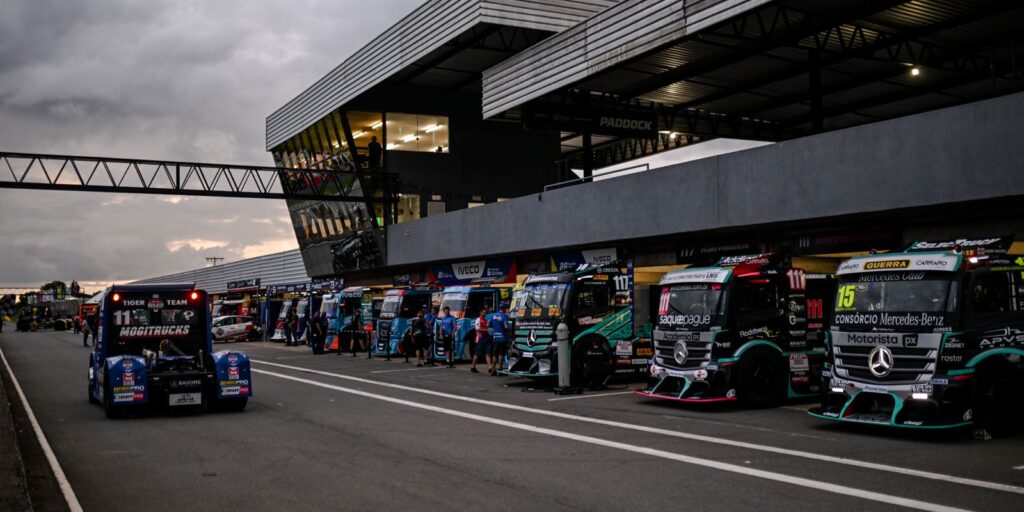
point(232, 404)
point(996, 408)
point(761, 379)
point(92, 399)
point(591, 375)
point(108, 398)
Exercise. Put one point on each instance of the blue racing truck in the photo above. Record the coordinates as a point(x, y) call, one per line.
point(931, 337)
point(749, 328)
point(399, 308)
point(155, 348)
point(596, 305)
point(465, 303)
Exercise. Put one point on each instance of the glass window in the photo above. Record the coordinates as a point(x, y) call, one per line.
point(755, 304)
point(592, 298)
point(412, 132)
point(408, 207)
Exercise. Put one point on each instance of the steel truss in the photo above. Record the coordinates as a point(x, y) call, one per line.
point(97, 174)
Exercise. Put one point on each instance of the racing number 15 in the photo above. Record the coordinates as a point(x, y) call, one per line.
point(846, 296)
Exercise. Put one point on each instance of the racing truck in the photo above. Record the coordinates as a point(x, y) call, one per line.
point(737, 331)
point(465, 303)
point(595, 304)
point(301, 308)
point(931, 337)
point(155, 348)
point(349, 300)
point(399, 308)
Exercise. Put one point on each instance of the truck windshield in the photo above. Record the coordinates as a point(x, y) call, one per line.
point(350, 304)
point(143, 321)
point(893, 300)
point(457, 303)
point(404, 306)
point(689, 305)
point(542, 300)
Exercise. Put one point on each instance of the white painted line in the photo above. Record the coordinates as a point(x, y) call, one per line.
point(995, 486)
point(589, 396)
point(58, 473)
point(408, 369)
point(1018, 467)
point(721, 466)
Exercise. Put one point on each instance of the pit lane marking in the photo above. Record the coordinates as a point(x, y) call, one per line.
point(995, 486)
point(853, 492)
point(590, 396)
point(408, 369)
point(62, 480)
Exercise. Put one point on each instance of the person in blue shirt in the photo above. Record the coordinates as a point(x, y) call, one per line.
point(444, 330)
point(500, 326)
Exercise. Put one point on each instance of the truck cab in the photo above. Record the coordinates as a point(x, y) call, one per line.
point(465, 303)
point(931, 337)
point(399, 308)
point(594, 303)
point(736, 331)
point(155, 348)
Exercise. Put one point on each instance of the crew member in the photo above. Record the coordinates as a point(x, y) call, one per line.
point(445, 331)
point(499, 325)
point(483, 341)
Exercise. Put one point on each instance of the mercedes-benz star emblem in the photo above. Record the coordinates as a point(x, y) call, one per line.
point(532, 338)
point(679, 353)
point(880, 361)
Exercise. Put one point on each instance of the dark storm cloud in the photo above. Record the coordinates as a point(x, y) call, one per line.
point(179, 80)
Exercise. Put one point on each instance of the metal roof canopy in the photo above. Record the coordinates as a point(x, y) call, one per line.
point(767, 70)
point(443, 43)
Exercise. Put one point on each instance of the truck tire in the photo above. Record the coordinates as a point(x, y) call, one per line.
point(92, 399)
point(995, 399)
point(232, 404)
point(761, 379)
point(108, 398)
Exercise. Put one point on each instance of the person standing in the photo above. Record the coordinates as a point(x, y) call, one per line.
point(76, 323)
point(291, 321)
point(483, 341)
point(355, 335)
point(431, 319)
point(92, 322)
point(374, 152)
point(500, 326)
point(445, 331)
point(420, 338)
point(319, 322)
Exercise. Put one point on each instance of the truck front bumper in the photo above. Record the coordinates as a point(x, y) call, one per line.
point(702, 385)
point(943, 403)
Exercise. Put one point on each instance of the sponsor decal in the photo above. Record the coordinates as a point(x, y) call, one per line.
point(674, 320)
point(762, 331)
point(940, 382)
point(876, 389)
point(749, 259)
point(150, 331)
point(155, 303)
point(639, 362)
point(535, 311)
point(909, 340)
point(954, 344)
point(954, 359)
point(891, 319)
point(921, 388)
point(799, 362)
point(887, 277)
point(886, 264)
point(126, 397)
point(126, 389)
point(700, 374)
point(964, 243)
point(134, 302)
point(1004, 337)
point(705, 275)
point(186, 383)
point(233, 372)
point(800, 379)
point(589, 320)
point(874, 339)
point(233, 358)
point(826, 374)
point(731, 393)
point(645, 352)
point(554, 311)
point(624, 348)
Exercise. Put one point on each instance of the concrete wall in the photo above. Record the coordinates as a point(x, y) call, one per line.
point(969, 152)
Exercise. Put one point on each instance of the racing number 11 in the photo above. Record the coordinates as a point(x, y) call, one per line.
point(123, 317)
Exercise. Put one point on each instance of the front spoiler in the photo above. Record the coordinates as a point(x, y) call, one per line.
point(817, 413)
point(693, 400)
point(529, 375)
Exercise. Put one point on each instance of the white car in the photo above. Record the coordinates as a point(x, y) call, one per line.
point(233, 328)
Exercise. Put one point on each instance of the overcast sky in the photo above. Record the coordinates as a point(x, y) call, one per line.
point(161, 79)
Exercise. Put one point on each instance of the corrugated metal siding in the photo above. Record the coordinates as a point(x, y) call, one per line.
point(279, 268)
point(619, 33)
point(425, 29)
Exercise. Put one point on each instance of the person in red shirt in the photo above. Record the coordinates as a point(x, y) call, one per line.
point(483, 340)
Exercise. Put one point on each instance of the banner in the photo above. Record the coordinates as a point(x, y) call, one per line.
point(468, 272)
point(319, 285)
point(572, 259)
point(588, 119)
point(277, 289)
point(246, 284)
